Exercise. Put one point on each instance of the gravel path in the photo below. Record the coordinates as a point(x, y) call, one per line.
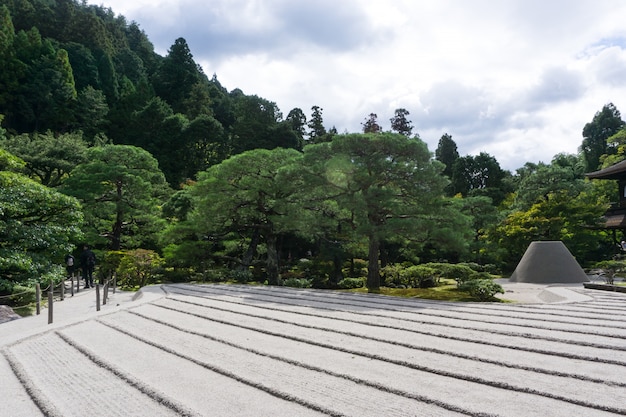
point(217, 350)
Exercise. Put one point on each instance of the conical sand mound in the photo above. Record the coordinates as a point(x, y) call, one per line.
point(548, 262)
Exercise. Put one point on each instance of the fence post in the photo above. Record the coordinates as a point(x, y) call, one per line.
point(114, 281)
point(38, 298)
point(62, 290)
point(72, 284)
point(98, 296)
point(105, 290)
point(50, 301)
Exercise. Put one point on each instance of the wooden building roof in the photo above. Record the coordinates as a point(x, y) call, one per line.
point(614, 172)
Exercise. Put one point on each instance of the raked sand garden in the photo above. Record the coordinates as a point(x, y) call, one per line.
point(225, 350)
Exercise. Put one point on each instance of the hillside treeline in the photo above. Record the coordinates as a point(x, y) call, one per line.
point(144, 156)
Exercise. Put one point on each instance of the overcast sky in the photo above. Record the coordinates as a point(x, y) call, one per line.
point(517, 79)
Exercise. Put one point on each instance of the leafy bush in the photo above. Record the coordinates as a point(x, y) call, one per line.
point(241, 276)
point(483, 289)
point(138, 268)
point(391, 275)
point(419, 276)
point(357, 268)
point(177, 274)
point(297, 283)
point(459, 272)
point(6, 287)
point(21, 296)
point(351, 283)
point(109, 264)
point(211, 275)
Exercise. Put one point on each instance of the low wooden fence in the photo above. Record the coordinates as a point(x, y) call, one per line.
point(57, 293)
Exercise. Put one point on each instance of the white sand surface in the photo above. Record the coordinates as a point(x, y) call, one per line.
point(226, 350)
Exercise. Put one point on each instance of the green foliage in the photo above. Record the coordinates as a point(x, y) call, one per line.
point(483, 289)
point(480, 175)
point(457, 272)
point(388, 183)
point(447, 153)
point(49, 158)
point(37, 228)
point(21, 296)
point(109, 263)
point(248, 195)
point(605, 124)
point(610, 269)
point(121, 188)
point(419, 276)
point(351, 283)
point(296, 282)
point(138, 268)
point(10, 162)
point(241, 276)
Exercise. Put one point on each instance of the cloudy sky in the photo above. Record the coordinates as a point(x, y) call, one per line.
point(517, 79)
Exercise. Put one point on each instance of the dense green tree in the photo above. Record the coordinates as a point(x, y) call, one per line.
point(91, 111)
point(208, 145)
point(556, 216)
point(123, 126)
point(245, 195)
point(259, 125)
point(9, 65)
point(558, 177)
point(141, 46)
point(109, 79)
point(121, 189)
point(447, 154)
point(388, 181)
point(297, 121)
point(480, 175)
point(400, 124)
point(370, 125)
point(605, 124)
point(483, 216)
point(46, 96)
point(317, 131)
point(177, 76)
point(84, 65)
point(38, 226)
point(49, 158)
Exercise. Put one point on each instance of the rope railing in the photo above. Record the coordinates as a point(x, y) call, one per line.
point(52, 288)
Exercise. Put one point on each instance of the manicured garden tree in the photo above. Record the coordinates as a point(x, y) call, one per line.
point(121, 189)
point(38, 226)
point(49, 158)
point(247, 196)
point(389, 183)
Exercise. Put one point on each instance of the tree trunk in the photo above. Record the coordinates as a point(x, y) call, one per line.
point(373, 269)
point(272, 259)
point(247, 258)
point(116, 235)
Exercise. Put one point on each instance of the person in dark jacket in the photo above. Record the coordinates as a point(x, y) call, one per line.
point(87, 264)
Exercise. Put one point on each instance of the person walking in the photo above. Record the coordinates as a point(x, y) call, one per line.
point(70, 265)
point(87, 264)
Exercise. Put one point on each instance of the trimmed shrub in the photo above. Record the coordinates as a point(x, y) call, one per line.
point(139, 268)
point(351, 283)
point(419, 276)
point(296, 283)
point(390, 275)
point(482, 289)
point(176, 275)
point(458, 272)
point(241, 276)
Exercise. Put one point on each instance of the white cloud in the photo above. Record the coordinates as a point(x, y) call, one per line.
point(515, 78)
